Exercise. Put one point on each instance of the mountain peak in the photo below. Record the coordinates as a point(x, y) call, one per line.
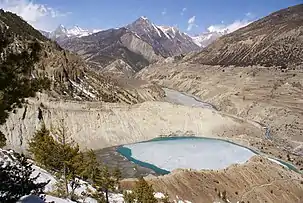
point(143, 18)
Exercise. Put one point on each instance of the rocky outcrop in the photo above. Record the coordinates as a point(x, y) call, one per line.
point(96, 125)
point(135, 44)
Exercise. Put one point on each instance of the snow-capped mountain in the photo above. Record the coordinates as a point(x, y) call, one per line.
point(61, 32)
point(137, 44)
point(166, 41)
point(207, 38)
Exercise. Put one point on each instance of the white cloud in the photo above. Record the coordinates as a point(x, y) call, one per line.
point(191, 23)
point(183, 11)
point(192, 20)
point(164, 12)
point(248, 14)
point(38, 15)
point(230, 27)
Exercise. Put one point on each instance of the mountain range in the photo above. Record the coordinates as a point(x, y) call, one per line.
point(168, 32)
point(128, 49)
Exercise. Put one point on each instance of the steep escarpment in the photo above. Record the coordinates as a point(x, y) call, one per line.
point(95, 125)
point(275, 40)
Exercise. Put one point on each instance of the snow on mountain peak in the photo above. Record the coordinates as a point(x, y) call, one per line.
point(206, 38)
point(78, 32)
point(169, 31)
point(62, 32)
point(143, 18)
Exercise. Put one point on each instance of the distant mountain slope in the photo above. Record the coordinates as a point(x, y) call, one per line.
point(276, 40)
point(71, 77)
point(167, 41)
point(134, 46)
point(107, 46)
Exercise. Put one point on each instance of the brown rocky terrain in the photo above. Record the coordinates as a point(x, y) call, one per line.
point(275, 40)
point(265, 95)
point(258, 180)
point(258, 107)
point(255, 74)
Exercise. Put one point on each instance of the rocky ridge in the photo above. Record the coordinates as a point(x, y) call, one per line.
point(275, 40)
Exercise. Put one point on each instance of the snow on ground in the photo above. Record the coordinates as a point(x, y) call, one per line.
point(48, 198)
point(44, 177)
point(195, 153)
point(82, 89)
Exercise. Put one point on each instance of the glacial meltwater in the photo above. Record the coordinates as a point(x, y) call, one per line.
point(166, 154)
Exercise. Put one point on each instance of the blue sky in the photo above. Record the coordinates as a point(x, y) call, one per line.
point(191, 16)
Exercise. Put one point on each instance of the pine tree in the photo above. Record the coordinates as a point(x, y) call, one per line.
point(129, 197)
point(142, 193)
point(42, 146)
point(68, 156)
point(16, 84)
point(59, 154)
point(104, 182)
point(16, 180)
point(91, 166)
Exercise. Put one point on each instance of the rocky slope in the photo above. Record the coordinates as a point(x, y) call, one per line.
point(258, 180)
point(71, 77)
point(105, 47)
point(166, 41)
point(135, 46)
point(275, 40)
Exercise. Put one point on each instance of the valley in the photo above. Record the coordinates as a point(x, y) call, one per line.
point(214, 118)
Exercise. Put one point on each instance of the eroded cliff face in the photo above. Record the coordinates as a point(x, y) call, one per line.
point(135, 44)
point(96, 125)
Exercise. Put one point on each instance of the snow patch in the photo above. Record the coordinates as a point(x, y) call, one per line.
point(82, 89)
